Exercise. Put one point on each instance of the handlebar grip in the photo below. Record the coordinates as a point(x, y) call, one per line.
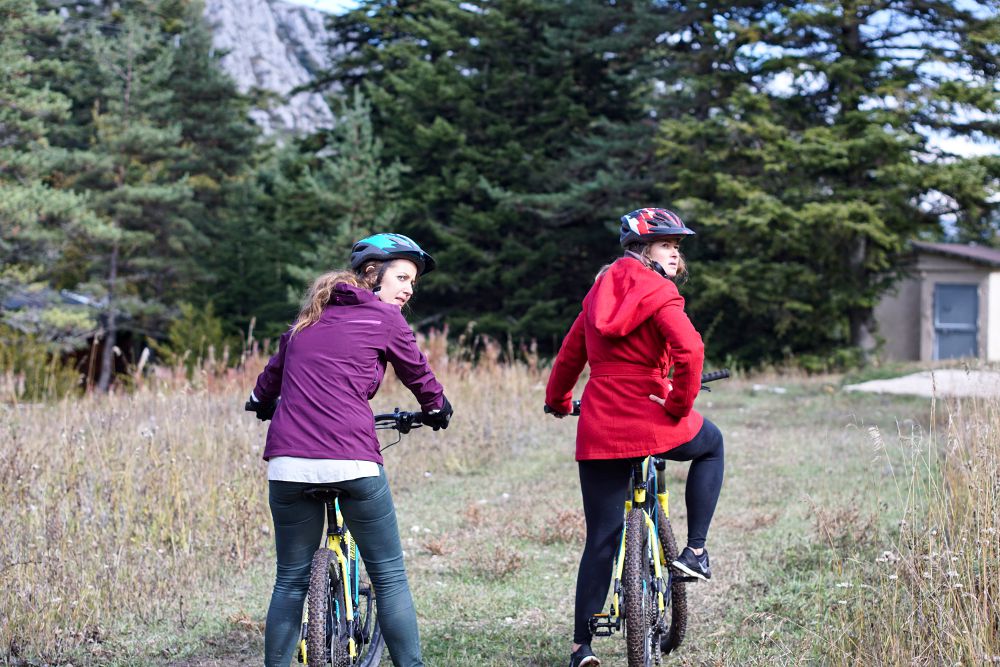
point(399, 420)
point(715, 375)
point(574, 413)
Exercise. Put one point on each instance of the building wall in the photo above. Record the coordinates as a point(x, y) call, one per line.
point(905, 316)
point(993, 320)
point(898, 318)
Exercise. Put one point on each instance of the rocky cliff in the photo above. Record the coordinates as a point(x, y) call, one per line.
point(274, 46)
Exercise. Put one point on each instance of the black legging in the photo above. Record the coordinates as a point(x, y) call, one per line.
point(604, 484)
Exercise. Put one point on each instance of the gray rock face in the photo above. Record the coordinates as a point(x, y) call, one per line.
point(274, 46)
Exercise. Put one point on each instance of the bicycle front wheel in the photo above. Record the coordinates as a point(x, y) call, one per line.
point(640, 601)
point(673, 634)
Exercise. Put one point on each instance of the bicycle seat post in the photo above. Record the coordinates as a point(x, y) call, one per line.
point(638, 482)
point(328, 496)
point(661, 474)
point(333, 526)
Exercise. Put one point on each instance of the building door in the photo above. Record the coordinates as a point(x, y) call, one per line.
point(956, 317)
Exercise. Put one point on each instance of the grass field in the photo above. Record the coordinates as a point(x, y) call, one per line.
point(852, 528)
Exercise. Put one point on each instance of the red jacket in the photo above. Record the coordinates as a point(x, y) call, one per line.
point(632, 331)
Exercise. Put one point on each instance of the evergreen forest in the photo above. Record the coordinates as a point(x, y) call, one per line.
point(807, 143)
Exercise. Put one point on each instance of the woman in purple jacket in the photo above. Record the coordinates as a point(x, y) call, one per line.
point(328, 366)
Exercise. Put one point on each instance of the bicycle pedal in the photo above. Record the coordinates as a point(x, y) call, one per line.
point(601, 625)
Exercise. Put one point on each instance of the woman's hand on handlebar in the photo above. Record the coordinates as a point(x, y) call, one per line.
point(264, 411)
point(559, 414)
point(438, 419)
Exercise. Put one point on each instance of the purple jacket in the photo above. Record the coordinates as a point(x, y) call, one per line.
point(327, 373)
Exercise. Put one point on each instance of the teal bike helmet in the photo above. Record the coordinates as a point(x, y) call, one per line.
point(387, 247)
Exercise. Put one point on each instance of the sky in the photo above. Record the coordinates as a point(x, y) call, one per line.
point(331, 6)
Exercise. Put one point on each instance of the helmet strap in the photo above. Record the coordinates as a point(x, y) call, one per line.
point(380, 273)
point(655, 266)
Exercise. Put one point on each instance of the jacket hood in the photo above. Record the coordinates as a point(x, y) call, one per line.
point(626, 296)
point(348, 295)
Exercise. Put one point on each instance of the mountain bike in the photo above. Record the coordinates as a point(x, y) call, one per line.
point(340, 619)
point(648, 594)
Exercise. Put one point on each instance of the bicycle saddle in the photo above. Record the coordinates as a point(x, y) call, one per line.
point(324, 494)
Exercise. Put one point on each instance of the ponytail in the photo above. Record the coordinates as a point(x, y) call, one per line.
point(319, 294)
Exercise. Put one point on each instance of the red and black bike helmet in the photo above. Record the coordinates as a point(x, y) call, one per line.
point(391, 246)
point(646, 225)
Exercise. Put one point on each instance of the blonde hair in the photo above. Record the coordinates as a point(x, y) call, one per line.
point(642, 250)
point(319, 293)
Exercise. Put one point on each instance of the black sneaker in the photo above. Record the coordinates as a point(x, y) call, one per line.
point(583, 657)
point(695, 566)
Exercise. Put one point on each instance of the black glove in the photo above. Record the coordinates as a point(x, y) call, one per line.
point(438, 418)
point(555, 413)
point(264, 411)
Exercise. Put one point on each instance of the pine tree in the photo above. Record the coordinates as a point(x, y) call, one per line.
point(412, 61)
point(140, 255)
point(486, 104)
point(219, 164)
point(341, 192)
point(611, 60)
point(809, 171)
point(35, 217)
point(250, 253)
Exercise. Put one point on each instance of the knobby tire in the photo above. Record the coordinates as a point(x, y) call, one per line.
point(636, 581)
point(674, 634)
point(324, 633)
point(370, 652)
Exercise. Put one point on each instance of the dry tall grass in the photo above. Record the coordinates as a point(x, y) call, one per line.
point(932, 596)
point(130, 509)
point(127, 513)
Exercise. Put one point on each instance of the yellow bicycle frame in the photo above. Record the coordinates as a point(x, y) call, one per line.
point(659, 557)
point(335, 543)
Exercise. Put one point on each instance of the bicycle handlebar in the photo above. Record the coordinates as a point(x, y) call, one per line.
point(398, 420)
point(715, 375)
point(705, 378)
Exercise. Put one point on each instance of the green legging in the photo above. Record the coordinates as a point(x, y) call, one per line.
point(366, 505)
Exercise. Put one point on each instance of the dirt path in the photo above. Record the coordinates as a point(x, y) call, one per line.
point(943, 383)
point(492, 553)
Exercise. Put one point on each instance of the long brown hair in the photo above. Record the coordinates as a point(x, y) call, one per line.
point(319, 293)
point(641, 252)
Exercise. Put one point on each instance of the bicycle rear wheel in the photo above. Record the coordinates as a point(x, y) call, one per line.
point(367, 634)
point(640, 601)
point(326, 641)
point(674, 624)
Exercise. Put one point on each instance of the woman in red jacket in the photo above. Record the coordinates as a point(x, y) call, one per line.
point(633, 331)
